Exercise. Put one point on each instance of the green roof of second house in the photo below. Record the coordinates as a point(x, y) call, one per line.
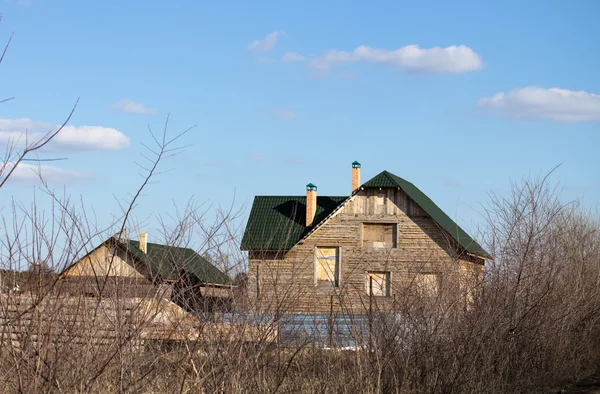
point(168, 261)
point(278, 222)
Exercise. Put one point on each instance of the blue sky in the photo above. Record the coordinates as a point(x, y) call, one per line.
point(460, 99)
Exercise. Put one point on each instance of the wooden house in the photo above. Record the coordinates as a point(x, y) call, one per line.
point(386, 240)
point(131, 268)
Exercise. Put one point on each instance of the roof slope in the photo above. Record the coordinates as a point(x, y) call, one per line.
point(387, 179)
point(167, 261)
point(278, 222)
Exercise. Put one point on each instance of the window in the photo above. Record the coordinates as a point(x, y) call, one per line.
point(379, 235)
point(378, 283)
point(427, 284)
point(327, 267)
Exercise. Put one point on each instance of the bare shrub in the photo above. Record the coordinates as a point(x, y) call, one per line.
point(530, 325)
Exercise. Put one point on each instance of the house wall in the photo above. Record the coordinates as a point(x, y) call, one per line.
point(286, 281)
point(98, 273)
point(101, 263)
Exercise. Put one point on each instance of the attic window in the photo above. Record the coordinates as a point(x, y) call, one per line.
point(327, 267)
point(379, 235)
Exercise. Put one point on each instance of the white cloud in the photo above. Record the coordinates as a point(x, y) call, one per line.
point(26, 172)
point(284, 113)
point(412, 58)
point(538, 103)
point(333, 58)
point(91, 137)
point(68, 139)
point(293, 57)
point(266, 44)
point(131, 106)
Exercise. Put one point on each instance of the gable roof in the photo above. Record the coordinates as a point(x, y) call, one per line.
point(387, 179)
point(166, 262)
point(279, 222)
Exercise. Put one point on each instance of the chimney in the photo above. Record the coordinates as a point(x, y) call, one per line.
point(144, 242)
point(355, 176)
point(311, 203)
point(121, 236)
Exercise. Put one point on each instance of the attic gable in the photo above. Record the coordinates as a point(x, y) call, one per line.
point(387, 179)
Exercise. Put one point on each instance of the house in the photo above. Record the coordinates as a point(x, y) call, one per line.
point(141, 269)
point(386, 240)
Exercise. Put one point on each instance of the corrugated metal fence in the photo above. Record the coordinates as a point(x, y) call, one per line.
point(324, 330)
point(315, 329)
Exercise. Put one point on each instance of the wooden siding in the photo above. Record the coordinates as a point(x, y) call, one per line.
point(287, 281)
point(31, 323)
point(101, 263)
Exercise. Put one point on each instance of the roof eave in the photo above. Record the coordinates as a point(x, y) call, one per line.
point(245, 249)
point(479, 256)
point(219, 285)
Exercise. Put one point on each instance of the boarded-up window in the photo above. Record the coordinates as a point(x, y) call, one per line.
point(427, 284)
point(379, 235)
point(378, 283)
point(327, 266)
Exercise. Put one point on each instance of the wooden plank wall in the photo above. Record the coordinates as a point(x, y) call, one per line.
point(286, 280)
point(26, 320)
point(101, 263)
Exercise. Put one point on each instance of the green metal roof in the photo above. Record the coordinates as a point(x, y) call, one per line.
point(279, 222)
point(387, 179)
point(167, 261)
